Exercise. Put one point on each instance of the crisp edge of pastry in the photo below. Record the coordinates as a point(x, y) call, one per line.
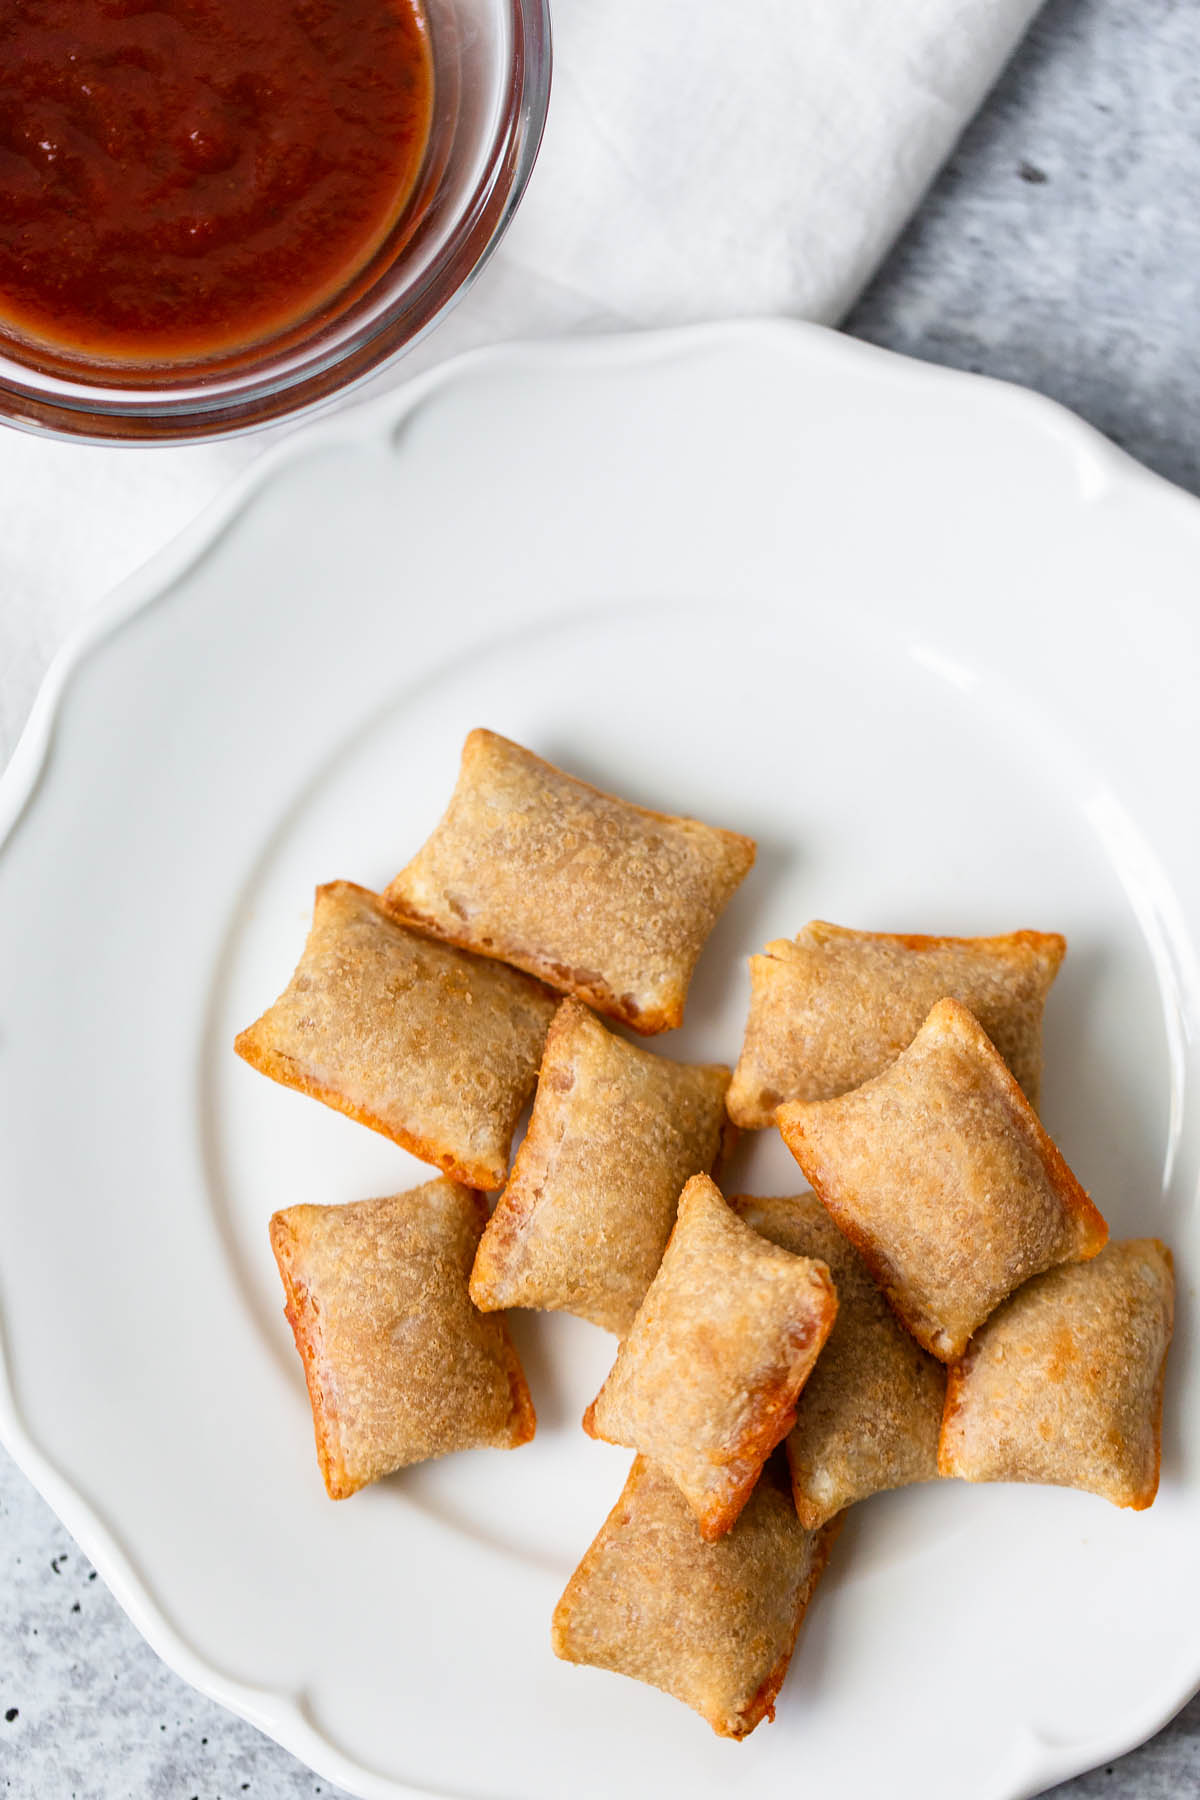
point(568, 982)
point(282, 1068)
point(1052, 943)
point(305, 1322)
point(279, 1067)
point(762, 1705)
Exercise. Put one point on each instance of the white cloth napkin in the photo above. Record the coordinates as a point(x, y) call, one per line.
point(700, 161)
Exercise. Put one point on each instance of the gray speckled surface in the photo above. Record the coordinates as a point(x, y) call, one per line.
point(1060, 249)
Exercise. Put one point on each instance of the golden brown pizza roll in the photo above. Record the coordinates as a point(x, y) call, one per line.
point(436, 1049)
point(940, 1174)
point(598, 897)
point(870, 1413)
point(832, 1008)
point(1064, 1383)
point(706, 1382)
point(400, 1366)
point(593, 1193)
point(712, 1624)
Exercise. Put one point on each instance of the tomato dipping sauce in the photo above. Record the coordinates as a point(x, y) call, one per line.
point(182, 177)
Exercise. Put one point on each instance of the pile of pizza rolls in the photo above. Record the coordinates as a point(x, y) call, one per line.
point(943, 1302)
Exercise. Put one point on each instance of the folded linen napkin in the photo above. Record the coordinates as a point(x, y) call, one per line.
point(699, 162)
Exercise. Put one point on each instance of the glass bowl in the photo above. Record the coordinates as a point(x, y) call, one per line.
point(491, 71)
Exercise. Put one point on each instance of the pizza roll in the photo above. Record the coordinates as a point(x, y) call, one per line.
point(598, 897)
point(436, 1049)
point(940, 1174)
point(870, 1413)
point(1064, 1383)
point(400, 1366)
point(593, 1193)
point(706, 1382)
point(832, 1008)
point(712, 1624)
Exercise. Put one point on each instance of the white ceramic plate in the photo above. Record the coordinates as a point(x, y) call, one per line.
point(935, 645)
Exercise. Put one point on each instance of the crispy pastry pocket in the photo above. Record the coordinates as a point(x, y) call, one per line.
point(706, 1382)
point(616, 1131)
point(436, 1049)
point(869, 1415)
point(712, 1624)
point(400, 1365)
point(1064, 1383)
point(940, 1174)
point(832, 1008)
point(598, 897)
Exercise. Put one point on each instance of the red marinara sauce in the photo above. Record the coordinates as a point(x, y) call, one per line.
point(179, 177)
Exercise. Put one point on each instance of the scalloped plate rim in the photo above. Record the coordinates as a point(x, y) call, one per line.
point(279, 1715)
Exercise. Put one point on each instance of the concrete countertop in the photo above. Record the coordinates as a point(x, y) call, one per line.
point(1060, 249)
